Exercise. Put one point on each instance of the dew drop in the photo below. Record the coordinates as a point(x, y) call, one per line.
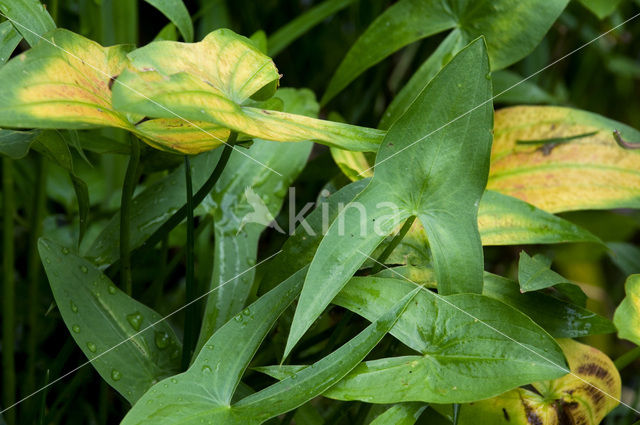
point(488, 76)
point(75, 328)
point(92, 347)
point(47, 260)
point(84, 269)
point(238, 318)
point(65, 250)
point(174, 381)
point(135, 320)
point(111, 289)
point(210, 347)
point(251, 261)
point(116, 375)
point(206, 369)
point(161, 339)
point(246, 312)
point(74, 307)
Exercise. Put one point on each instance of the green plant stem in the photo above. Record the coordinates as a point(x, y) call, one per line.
point(199, 196)
point(8, 293)
point(34, 271)
point(130, 181)
point(627, 358)
point(392, 245)
point(191, 319)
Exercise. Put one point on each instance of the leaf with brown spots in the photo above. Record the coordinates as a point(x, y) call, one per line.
point(627, 316)
point(563, 159)
point(584, 397)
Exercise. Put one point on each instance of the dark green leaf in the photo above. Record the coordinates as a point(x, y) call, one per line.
point(433, 163)
point(16, 144)
point(29, 17)
point(9, 40)
point(125, 341)
point(303, 23)
point(177, 13)
point(512, 31)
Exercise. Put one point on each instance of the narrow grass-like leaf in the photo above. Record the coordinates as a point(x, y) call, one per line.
point(177, 13)
point(424, 169)
point(303, 23)
point(512, 31)
point(562, 159)
point(100, 316)
point(627, 315)
point(585, 397)
point(31, 18)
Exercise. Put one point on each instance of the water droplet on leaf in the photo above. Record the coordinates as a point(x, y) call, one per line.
point(135, 320)
point(161, 339)
point(75, 328)
point(92, 347)
point(116, 375)
point(84, 269)
point(74, 307)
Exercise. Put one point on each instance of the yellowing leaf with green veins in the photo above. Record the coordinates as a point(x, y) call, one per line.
point(627, 316)
point(64, 82)
point(563, 159)
point(212, 81)
point(583, 397)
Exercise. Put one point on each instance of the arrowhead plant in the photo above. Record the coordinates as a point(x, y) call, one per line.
point(420, 227)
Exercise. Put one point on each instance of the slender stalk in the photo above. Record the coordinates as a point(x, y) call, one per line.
point(191, 312)
point(627, 358)
point(43, 399)
point(130, 181)
point(8, 293)
point(180, 215)
point(34, 271)
point(393, 244)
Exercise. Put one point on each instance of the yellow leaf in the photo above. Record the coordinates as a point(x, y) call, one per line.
point(562, 159)
point(212, 81)
point(64, 82)
point(627, 316)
